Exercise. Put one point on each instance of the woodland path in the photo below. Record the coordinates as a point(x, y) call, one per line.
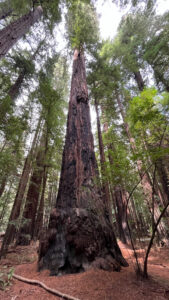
point(90, 285)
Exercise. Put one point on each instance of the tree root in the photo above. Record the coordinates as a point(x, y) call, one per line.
point(53, 291)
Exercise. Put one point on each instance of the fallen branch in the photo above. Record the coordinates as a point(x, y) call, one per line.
point(44, 286)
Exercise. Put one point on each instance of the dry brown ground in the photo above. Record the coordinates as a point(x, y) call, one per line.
point(90, 285)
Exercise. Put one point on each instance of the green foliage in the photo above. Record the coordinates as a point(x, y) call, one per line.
point(51, 12)
point(142, 108)
point(82, 25)
point(149, 4)
point(148, 122)
point(6, 277)
point(156, 50)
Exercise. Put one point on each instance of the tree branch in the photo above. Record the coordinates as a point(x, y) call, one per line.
point(44, 286)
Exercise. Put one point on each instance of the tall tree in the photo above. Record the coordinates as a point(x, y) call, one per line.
point(80, 232)
point(16, 209)
point(14, 31)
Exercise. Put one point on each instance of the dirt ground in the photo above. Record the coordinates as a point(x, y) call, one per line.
point(91, 285)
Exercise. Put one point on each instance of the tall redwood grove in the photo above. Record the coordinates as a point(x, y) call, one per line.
point(80, 232)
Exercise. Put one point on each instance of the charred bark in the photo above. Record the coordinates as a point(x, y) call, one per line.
point(80, 233)
point(14, 31)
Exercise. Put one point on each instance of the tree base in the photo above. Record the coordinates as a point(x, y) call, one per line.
point(78, 239)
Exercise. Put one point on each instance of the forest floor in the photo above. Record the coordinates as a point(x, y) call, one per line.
point(91, 285)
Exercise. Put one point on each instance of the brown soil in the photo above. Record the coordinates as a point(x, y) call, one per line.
point(91, 285)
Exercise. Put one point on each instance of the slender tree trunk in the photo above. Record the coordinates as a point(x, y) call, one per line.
point(138, 78)
point(5, 205)
point(14, 89)
point(164, 176)
point(29, 215)
point(15, 213)
point(105, 186)
point(80, 233)
point(121, 203)
point(139, 224)
point(3, 184)
point(40, 214)
point(145, 179)
point(14, 31)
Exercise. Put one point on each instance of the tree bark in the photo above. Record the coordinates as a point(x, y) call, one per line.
point(164, 176)
point(14, 31)
point(30, 211)
point(14, 89)
point(40, 214)
point(80, 233)
point(15, 213)
point(138, 78)
point(105, 186)
point(121, 204)
point(5, 204)
point(3, 184)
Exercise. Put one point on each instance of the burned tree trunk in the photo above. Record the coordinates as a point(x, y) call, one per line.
point(80, 233)
point(14, 31)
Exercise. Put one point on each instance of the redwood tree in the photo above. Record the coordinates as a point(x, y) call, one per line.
point(80, 232)
point(15, 30)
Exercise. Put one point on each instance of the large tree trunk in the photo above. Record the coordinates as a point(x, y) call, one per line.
point(80, 233)
point(14, 31)
point(15, 213)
